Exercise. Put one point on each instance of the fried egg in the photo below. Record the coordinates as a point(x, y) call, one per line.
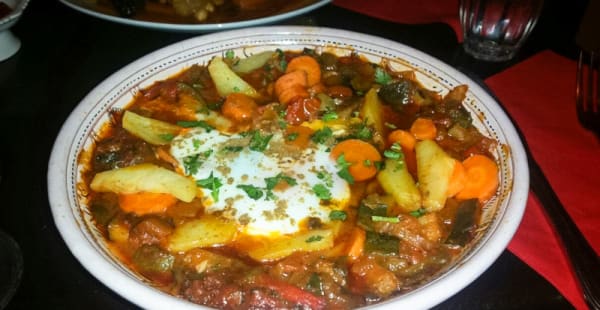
point(267, 186)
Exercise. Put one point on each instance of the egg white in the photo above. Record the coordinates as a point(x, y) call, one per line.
point(281, 212)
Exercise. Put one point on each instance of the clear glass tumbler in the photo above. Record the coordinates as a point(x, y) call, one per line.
point(494, 30)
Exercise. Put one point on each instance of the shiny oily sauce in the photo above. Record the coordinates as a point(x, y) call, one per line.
point(290, 180)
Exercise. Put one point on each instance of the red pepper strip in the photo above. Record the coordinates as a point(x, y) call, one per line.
point(292, 293)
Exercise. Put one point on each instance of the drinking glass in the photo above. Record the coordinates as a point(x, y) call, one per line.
point(494, 30)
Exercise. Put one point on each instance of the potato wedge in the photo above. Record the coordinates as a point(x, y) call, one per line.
point(398, 182)
point(309, 241)
point(255, 61)
point(205, 232)
point(227, 81)
point(145, 178)
point(150, 130)
point(371, 111)
point(434, 169)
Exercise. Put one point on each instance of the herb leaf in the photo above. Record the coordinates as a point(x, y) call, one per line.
point(382, 77)
point(418, 213)
point(252, 191)
point(330, 116)
point(259, 142)
point(167, 136)
point(325, 177)
point(338, 215)
point(389, 219)
point(322, 191)
point(191, 124)
point(211, 183)
point(314, 238)
point(273, 181)
point(232, 149)
point(322, 135)
point(344, 173)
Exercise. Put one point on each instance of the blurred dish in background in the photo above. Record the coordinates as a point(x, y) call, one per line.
point(10, 12)
point(194, 15)
point(11, 268)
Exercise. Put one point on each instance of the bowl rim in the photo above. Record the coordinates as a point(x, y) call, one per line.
point(143, 295)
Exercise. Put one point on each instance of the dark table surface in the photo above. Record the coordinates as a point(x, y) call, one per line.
point(65, 54)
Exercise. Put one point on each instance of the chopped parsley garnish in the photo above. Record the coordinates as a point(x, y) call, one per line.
point(389, 219)
point(229, 54)
point(322, 135)
point(367, 163)
point(292, 136)
point(191, 124)
point(330, 116)
point(338, 215)
point(362, 131)
point(280, 53)
point(382, 77)
point(322, 191)
point(167, 136)
point(391, 154)
point(233, 149)
point(418, 213)
point(256, 193)
point(325, 177)
point(273, 181)
point(315, 284)
point(390, 125)
point(211, 183)
point(259, 142)
point(394, 152)
point(314, 238)
point(344, 173)
point(197, 143)
point(193, 162)
point(283, 65)
point(252, 191)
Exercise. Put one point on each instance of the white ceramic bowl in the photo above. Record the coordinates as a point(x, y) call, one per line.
point(9, 44)
point(500, 219)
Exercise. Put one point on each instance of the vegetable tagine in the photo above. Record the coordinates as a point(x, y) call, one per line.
point(290, 179)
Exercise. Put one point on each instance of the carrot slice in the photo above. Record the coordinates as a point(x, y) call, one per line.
point(457, 179)
point(294, 92)
point(307, 64)
point(164, 155)
point(239, 107)
point(144, 202)
point(298, 136)
point(290, 84)
point(357, 243)
point(481, 178)
point(406, 139)
point(361, 156)
point(423, 129)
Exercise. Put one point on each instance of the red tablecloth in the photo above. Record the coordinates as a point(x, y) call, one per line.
point(408, 12)
point(539, 95)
